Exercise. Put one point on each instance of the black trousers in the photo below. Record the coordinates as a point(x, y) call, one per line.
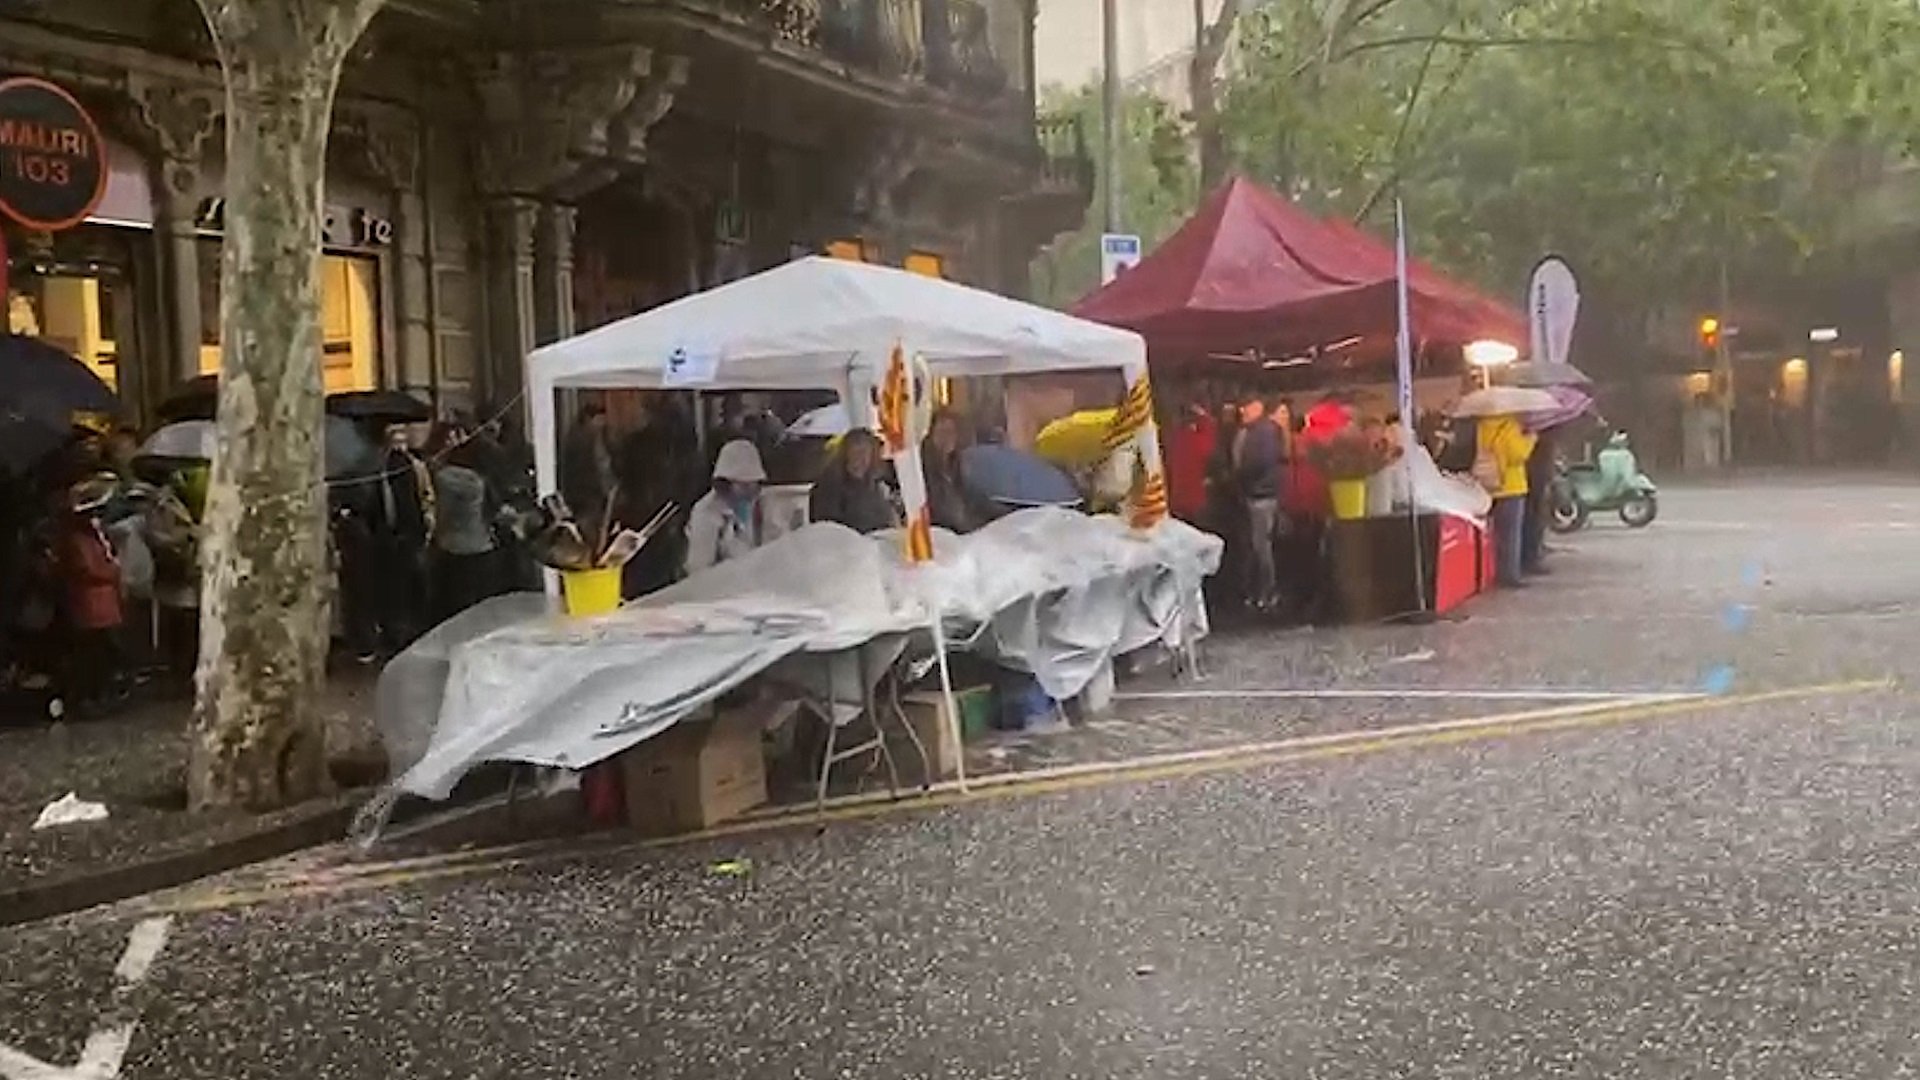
point(461, 581)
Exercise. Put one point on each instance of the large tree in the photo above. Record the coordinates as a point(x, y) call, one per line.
point(258, 739)
point(1650, 140)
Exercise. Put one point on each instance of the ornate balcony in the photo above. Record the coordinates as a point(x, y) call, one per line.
point(947, 43)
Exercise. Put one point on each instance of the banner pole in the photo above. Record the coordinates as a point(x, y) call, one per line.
point(1404, 375)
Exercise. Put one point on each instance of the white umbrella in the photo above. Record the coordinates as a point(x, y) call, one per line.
point(347, 449)
point(1505, 401)
point(192, 440)
point(825, 422)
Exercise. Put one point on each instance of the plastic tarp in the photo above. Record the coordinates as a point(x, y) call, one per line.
point(1252, 270)
point(1046, 590)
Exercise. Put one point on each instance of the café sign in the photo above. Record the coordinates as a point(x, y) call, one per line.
point(53, 164)
point(340, 226)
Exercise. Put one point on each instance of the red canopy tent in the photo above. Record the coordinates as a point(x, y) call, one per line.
point(1252, 271)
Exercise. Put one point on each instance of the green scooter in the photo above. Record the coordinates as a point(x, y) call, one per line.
point(1613, 482)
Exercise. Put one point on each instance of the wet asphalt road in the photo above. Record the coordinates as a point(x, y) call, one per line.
point(1721, 892)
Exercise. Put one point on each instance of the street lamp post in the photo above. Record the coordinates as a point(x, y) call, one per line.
point(1110, 108)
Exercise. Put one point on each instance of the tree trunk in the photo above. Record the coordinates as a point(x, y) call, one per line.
point(1209, 47)
point(258, 738)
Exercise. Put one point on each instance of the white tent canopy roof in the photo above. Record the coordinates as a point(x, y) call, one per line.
point(812, 322)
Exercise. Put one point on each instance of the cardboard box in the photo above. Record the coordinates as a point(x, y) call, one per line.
point(927, 714)
point(696, 774)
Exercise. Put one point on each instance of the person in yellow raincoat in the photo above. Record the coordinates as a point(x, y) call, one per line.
point(1509, 446)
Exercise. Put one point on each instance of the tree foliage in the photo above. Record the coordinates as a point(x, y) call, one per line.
point(1649, 141)
point(1159, 184)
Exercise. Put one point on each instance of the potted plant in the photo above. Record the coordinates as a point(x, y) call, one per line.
point(1347, 458)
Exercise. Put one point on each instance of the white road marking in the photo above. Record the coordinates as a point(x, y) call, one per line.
point(143, 948)
point(106, 1047)
point(1409, 693)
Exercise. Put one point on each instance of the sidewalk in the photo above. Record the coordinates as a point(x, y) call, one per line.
point(135, 763)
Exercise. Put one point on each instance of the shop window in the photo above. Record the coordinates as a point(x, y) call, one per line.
point(349, 318)
point(73, 291)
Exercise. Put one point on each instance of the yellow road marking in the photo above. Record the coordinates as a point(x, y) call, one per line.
point(1019, 785)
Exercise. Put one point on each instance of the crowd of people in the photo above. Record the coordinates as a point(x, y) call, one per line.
point(100, 557)
point(1247, 469)
point(99, 560)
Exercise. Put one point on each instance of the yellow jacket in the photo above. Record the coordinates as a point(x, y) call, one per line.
point(1510, 446)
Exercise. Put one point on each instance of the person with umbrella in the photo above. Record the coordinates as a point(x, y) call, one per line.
point(1500, 465)
point(91, 610)
point(851, 491)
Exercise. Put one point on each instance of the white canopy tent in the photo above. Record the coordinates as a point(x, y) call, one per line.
point(813, 324)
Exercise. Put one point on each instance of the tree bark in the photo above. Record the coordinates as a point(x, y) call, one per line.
point(258, 737)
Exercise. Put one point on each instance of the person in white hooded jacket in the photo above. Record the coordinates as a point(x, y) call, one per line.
point(726, 523)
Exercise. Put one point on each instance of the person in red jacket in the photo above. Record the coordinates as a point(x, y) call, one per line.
point(1189, 448)
point(90, 606)
point(1307, 503)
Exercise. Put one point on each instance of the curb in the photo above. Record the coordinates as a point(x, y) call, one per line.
point(76, 892)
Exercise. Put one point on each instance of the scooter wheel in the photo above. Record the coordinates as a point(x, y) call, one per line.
point(1639, 511)
point(1569, 516)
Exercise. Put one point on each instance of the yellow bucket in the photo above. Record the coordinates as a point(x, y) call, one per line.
point(1349, 499)
point(591, 592)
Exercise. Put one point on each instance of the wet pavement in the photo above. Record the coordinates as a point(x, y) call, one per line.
point(1679, 891)
point(134, 762)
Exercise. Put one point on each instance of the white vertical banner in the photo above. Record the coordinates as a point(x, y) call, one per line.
point(1553, 303)
point(1403, 346)
point(1403, 387)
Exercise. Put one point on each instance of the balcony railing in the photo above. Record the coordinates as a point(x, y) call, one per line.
point(1066, 168)
point(960, 47)
point(945, 42)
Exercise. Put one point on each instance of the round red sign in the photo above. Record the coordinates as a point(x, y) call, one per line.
point(53, 166)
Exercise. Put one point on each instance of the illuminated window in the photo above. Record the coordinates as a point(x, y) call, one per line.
point(1793, 383)
point(73, 292)
point(1897, 378)
point(850, 250)
point(349, 319)
point(927, 264)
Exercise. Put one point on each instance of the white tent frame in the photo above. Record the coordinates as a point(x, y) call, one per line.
point(821, 324)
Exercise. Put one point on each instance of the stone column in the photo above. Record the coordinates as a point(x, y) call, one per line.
point(390, 151)
point(175, 121)
point(180, 259)
point(511, 308)
point(553, 274)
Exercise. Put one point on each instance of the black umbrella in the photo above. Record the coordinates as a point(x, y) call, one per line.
point(42, 392)
point(389, 406)
point(196, 399)
point(1541, 375)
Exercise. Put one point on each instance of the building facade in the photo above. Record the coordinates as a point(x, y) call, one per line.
point(1155, 42)
point(502, 173)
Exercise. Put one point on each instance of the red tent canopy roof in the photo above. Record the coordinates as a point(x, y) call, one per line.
point(1251, 270)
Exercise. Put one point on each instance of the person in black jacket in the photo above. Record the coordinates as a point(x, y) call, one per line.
point(1257, 454)
point(850, 491)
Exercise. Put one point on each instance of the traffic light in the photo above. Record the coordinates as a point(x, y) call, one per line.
point(1710, 333)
